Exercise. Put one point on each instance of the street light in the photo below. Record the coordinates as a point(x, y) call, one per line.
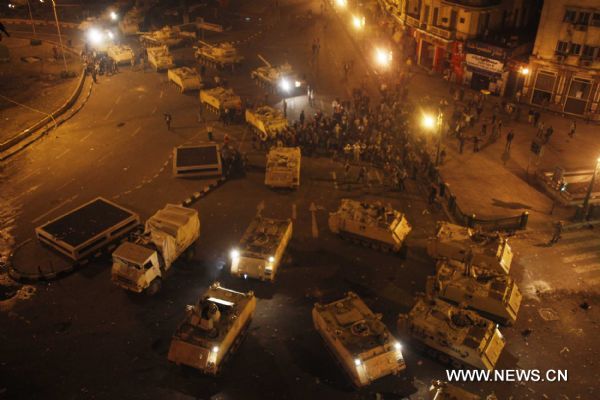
point(358, 22)
point(429, 122)
point(586, 201)
point(383, 57)
point(114, 16)
point(341, 3)
point(524, 71)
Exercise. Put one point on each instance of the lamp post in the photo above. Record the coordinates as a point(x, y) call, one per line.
point(62, 48)
point(586, 201)
point(430, 122)
point(31, 19)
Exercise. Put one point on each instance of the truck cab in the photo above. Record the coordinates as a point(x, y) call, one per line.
point(136, 268)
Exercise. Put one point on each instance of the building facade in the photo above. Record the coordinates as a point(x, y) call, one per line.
point(473, 42)
point(565, 63)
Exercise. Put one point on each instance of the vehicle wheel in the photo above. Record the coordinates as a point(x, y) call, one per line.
point(154, 287)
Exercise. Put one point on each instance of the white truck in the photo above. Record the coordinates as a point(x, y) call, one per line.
point(142, 264)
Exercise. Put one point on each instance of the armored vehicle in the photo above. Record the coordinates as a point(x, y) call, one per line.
point(460, 243)
point(495, 296)
point(219, 55)
point(261, 248)
point(280, 78)
point(120, 53)
point(213, 329)
point(160, 58)
point(283, 167)
point(444, 391)
point(167, 36)
point(370, 224)
point(142, 264)
point(219, 99)
point(357, 338)
point(185, 77)
point(266, 121)
point(453, 335)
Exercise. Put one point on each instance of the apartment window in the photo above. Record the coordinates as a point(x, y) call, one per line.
point(596, 19)
point(584, 18)
point(570, 16)
point(588, 52)
point(562, 47)
point(575, 49)
point(462, 20)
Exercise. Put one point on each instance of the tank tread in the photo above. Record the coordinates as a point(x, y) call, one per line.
point(439, 355)
point(337, 360)
point(374, 244)
point(234, 347)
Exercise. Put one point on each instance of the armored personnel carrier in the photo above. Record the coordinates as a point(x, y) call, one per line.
point(358, 339)
point(444, 391)
point(281, 78)
point(495, 296)
point(266, 121)
point(261, 248)
point(370, 224)
point(219, 56)
point(283, 167)
point(120, 53)
point(159, 58)
point(219, 99)
point(167, 36)
point(213, 329)
point(453, 335)
point(185, 78)
point(486, 250)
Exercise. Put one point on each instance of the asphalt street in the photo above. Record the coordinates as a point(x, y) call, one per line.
point(82, 337)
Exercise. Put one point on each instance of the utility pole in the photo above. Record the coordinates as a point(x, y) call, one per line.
point(586, 201)
point(62, 48)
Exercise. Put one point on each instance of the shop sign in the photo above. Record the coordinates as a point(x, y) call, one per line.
point(484, 63)
point(487, 50)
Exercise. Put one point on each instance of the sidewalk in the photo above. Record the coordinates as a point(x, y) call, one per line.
point(32, 78)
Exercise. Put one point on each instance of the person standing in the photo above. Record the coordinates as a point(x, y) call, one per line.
point(168, 119)
point(572, 129)
point(475, 144)
point(461, 143)
point(432, 194)
point(558, 229)
point(284, 108)
point(509, 138)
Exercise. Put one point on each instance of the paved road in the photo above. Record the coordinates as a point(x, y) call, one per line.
point(82, 337)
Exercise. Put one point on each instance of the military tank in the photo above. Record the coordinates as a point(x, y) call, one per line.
point(493, 295)
point(261, 248)
point(266, 121)
point(453, 335)
point(358, 340)
point(283, 167)
point(444, 391)
point(121, 54)
point(185, 78)
point(213, 329)
point(277, 78)
point(167, 36)
point(486, 250)
point(218, 56)
point(219, 99)
point(159, 58)
point(370, 224)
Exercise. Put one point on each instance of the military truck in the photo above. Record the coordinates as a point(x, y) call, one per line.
point(486, 250)
point(277, 79)
point(283, 167)
point(212, 329)
point(167, 36)
point(159, 58)
point(142, 264)
point(453, 335)
point(493, 295)
point(444, 391)
point(266, 121)
point(358, 340)
point(261, 248)
point(120, 53)
point(219, 99)
point(185, 78)
point(370, 224)
point(219, 56)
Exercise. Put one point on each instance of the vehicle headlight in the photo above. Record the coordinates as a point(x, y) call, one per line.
point(271, 259)
point(398, 346)
point(215, 349)
point(234, 254)
point(357, 362)
point(285, 85)
point(298, 83)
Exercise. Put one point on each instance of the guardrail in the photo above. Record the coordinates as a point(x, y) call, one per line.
point(18, 21)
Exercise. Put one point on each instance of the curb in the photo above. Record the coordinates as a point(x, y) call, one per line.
point(206, 190)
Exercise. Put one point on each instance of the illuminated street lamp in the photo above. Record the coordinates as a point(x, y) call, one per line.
point(429, 122)
point(586, 201)
point(341, 3)
point(114, 16)
point(95, 36)
point(524, 71)
point(383, 57)
point(358, 22)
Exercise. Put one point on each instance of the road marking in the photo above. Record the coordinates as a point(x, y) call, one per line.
point(109, 114)
point(587, 268)
point(161, 94)
point(24, 178)
point(86, 136)
point(62, 154)
point(137, 130)
point(293, 210)
point(118, 99)
point(55, 208)
point(315, 228)
point(580, 257)
point(63, 185)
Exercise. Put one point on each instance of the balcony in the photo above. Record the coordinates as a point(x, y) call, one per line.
point(441, 32)
point(412, 21)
